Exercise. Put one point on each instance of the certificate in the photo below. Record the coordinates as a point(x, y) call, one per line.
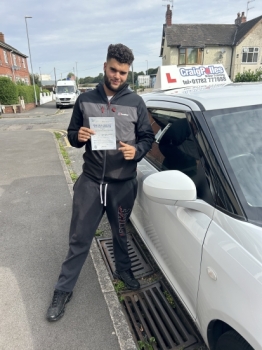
point(105, 133)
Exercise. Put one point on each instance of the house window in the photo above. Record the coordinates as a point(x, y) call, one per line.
point(23, 61)
point(249, 54)
point(190, 55)
point(5, 57)
point(14, 60)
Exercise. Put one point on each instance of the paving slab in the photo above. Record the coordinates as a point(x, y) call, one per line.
point(35, 211)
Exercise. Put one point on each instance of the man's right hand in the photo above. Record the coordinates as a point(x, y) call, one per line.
point(84, 134)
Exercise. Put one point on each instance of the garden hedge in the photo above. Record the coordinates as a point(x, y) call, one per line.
point(8, 92)
point(27, 92)
point(248, 76)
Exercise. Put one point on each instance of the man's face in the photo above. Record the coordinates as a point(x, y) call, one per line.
point(115, 74)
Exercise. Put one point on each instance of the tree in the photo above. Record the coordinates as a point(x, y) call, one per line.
point(70, 75)
point(36, 78)
point(99, 78)
point(86, 80)
point(152, 71)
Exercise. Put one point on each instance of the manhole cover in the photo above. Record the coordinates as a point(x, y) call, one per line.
point(140, 267)
point(156, 319)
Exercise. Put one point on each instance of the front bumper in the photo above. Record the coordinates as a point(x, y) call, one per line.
point(65, 102)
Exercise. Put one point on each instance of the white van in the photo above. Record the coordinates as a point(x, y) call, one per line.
point(66, 93)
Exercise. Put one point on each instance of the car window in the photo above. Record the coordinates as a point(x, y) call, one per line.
point(175, 147)
point(237, 133)
point(65, 89)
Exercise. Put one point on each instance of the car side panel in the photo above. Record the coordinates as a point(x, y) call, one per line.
point(174, 236)
point(235, 296)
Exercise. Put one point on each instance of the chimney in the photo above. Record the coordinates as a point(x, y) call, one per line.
point(239, 20)
point(243, 18)
point(2, 37)
point(168, 16)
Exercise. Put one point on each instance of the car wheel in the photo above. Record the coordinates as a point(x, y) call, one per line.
point(231, 340)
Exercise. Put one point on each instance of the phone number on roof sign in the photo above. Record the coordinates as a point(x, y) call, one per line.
point(205, 80)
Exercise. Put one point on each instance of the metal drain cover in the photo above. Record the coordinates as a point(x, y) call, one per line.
point(150, 315)
point(140, 267)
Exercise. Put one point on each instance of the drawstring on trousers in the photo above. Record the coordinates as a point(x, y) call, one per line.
point(101, 194)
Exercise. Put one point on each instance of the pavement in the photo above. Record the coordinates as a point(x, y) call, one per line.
point(42, 110)
point(35, 211)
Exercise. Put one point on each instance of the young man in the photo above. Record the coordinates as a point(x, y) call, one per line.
point(108, 182)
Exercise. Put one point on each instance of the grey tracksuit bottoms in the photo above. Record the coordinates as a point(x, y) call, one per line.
point(90, 202)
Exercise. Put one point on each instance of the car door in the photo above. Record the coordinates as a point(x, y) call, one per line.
point(173, 234)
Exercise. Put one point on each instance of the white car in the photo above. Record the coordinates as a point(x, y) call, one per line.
point(199, 207)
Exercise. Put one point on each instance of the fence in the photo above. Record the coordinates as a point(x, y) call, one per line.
point(45, 97)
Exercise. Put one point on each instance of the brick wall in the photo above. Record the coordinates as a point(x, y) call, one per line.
point(28, 107)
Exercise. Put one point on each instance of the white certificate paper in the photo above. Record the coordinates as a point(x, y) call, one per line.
point(105, 133)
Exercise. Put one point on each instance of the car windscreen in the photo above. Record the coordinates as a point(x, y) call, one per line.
point(65, 89)
point(237, 134)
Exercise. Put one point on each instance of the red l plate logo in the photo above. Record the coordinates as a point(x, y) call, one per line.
point(169, 79)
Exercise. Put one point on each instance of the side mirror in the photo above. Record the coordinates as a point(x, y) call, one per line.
point(168, 187)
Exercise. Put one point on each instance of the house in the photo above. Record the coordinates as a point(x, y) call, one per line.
point(13, 63)
point(237, 46)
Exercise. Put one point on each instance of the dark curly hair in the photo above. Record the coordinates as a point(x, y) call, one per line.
point(121, 53)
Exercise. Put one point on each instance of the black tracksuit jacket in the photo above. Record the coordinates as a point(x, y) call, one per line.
point(132, 127)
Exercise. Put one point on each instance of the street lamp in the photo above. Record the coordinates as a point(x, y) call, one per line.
point(30, 58)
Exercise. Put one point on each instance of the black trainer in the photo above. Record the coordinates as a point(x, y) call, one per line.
point(57, 307)
point(128, 278)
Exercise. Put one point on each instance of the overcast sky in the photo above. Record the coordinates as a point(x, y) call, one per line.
point(63, 32)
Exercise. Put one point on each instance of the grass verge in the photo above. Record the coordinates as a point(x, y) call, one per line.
point(65, 155)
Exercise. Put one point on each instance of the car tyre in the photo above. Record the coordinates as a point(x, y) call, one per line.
point(231, 340)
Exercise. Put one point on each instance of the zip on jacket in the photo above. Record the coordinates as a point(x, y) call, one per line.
point(132, 127)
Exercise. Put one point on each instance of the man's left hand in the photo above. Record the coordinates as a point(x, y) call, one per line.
point(127, 150)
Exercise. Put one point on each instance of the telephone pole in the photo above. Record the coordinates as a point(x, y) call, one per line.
point(76, 76)
point(55, 75)
point(133, 73)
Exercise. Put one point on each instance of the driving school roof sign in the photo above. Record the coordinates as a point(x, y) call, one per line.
point(172, 77)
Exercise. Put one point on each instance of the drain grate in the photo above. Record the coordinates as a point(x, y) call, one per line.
point(140, 267)
point(151, 315)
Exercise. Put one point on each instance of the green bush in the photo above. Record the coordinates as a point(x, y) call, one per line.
point(8, 92)
point(248, 76)
point(27, 93)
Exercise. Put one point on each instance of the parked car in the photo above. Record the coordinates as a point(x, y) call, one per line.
point(199, 207)
point(89, 89)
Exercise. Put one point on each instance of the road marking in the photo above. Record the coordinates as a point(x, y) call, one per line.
point(60, 111)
